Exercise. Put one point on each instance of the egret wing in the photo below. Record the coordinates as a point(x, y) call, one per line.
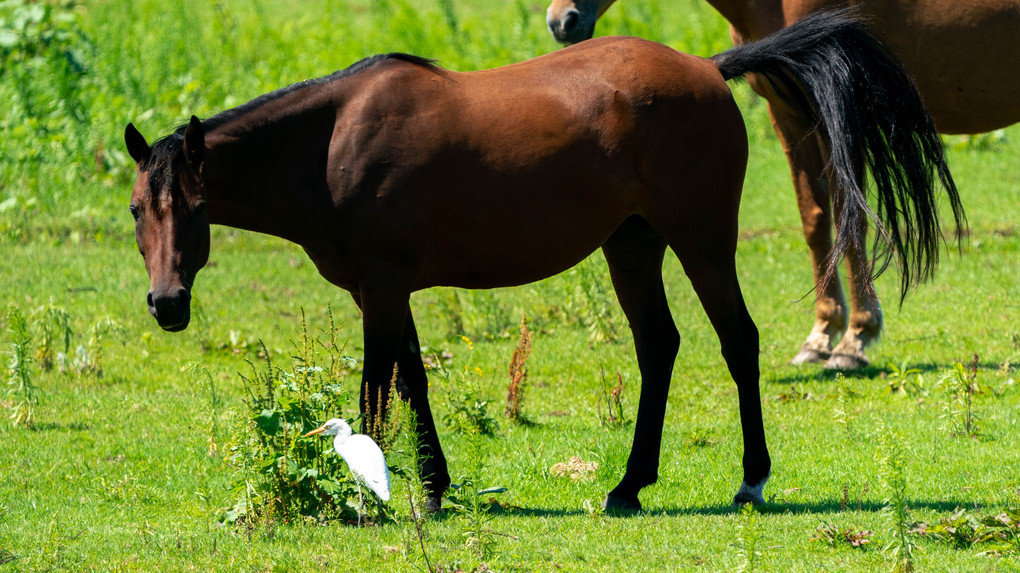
point(367, 462)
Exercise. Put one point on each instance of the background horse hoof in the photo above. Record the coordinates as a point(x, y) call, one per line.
point(620, 506)
point(809, 355)
point(841, 361)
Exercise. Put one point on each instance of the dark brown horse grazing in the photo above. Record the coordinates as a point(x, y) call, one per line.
point(396, 175)
point(955, 50)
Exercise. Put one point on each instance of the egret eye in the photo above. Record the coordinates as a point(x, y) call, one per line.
point(134, 212)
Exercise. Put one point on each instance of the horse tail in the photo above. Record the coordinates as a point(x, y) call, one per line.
point(832, 67)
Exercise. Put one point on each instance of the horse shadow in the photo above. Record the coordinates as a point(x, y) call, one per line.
point(769, 508)
point(869, 372)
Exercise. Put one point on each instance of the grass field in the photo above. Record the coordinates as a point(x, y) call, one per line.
point(126, 463)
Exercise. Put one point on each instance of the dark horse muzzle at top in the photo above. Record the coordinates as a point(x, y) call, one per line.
point(395, 175)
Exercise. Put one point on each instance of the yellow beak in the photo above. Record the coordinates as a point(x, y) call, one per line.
point(314, 432)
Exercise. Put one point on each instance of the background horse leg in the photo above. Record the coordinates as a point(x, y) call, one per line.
point(634, 253)
point(865, 316)
point(807, 165)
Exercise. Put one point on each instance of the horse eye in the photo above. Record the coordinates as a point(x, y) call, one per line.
point(200, 209)
point(134, 212)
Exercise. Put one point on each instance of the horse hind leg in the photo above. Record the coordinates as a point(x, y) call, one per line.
point(707, 254)
point(716, 285)
point(634, 253)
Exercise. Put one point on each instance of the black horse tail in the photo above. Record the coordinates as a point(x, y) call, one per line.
point(832, 67)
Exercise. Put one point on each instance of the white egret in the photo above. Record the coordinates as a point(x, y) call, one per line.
point(362, 455)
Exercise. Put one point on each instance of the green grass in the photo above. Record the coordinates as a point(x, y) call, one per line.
point(117, 472)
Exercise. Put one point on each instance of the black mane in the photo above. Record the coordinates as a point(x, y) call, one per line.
point(164, 151)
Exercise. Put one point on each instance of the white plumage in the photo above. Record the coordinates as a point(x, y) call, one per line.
point(362, 455)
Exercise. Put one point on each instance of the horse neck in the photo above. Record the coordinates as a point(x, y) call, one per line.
point(751, 19)
point(261, 167)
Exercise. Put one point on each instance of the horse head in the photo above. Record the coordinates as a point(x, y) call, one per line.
point(171, 227)
point(572, 21)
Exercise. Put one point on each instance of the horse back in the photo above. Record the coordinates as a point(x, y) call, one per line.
point(560, 149)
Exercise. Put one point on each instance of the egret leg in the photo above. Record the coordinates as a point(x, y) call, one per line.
point(361, 505)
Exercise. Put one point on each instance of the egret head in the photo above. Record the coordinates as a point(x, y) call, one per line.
point(333, 427)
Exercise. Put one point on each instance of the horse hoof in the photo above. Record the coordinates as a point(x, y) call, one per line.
point(620, 506)
point(841, 361)
point(810, 356)
point(746, 496)
point(434, 504)
point(751, 494)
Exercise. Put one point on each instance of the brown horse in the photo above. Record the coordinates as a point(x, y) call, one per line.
point(955, 50)
point(396, 175)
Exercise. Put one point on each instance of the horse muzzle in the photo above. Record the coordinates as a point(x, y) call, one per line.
point(569, 27)
point(171, 309)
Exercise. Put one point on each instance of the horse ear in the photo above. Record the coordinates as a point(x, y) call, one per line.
point(194, 142)
point(136, 145)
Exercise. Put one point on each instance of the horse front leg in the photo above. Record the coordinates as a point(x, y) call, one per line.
point(413, 385)
point(391, 338)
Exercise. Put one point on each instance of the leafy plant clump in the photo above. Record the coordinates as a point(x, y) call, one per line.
point(834, 536)
point(278, 476)
point(998, 534)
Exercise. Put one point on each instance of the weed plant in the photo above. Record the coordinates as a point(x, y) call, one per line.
point(748, 538)
point(959, 385)
point(467, 411)
point(55, 335)
point(844, 412)
point(22, 393)
point(412, 472)
point(901, 546)
point(518, 375)
point(592, 302)
point(472, 499)
point(89, 359)
point(610, 401)
point(835, 536)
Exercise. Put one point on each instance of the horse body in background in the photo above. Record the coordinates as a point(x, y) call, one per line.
point(396, 175)
point(955, 51)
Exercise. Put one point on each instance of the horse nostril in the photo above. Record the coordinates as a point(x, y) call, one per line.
point(570, 21)
point(148, 301)
point(183, 296)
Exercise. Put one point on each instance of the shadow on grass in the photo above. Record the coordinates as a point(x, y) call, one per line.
point(50, 426)
point(767, 509)
point(808, 374)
